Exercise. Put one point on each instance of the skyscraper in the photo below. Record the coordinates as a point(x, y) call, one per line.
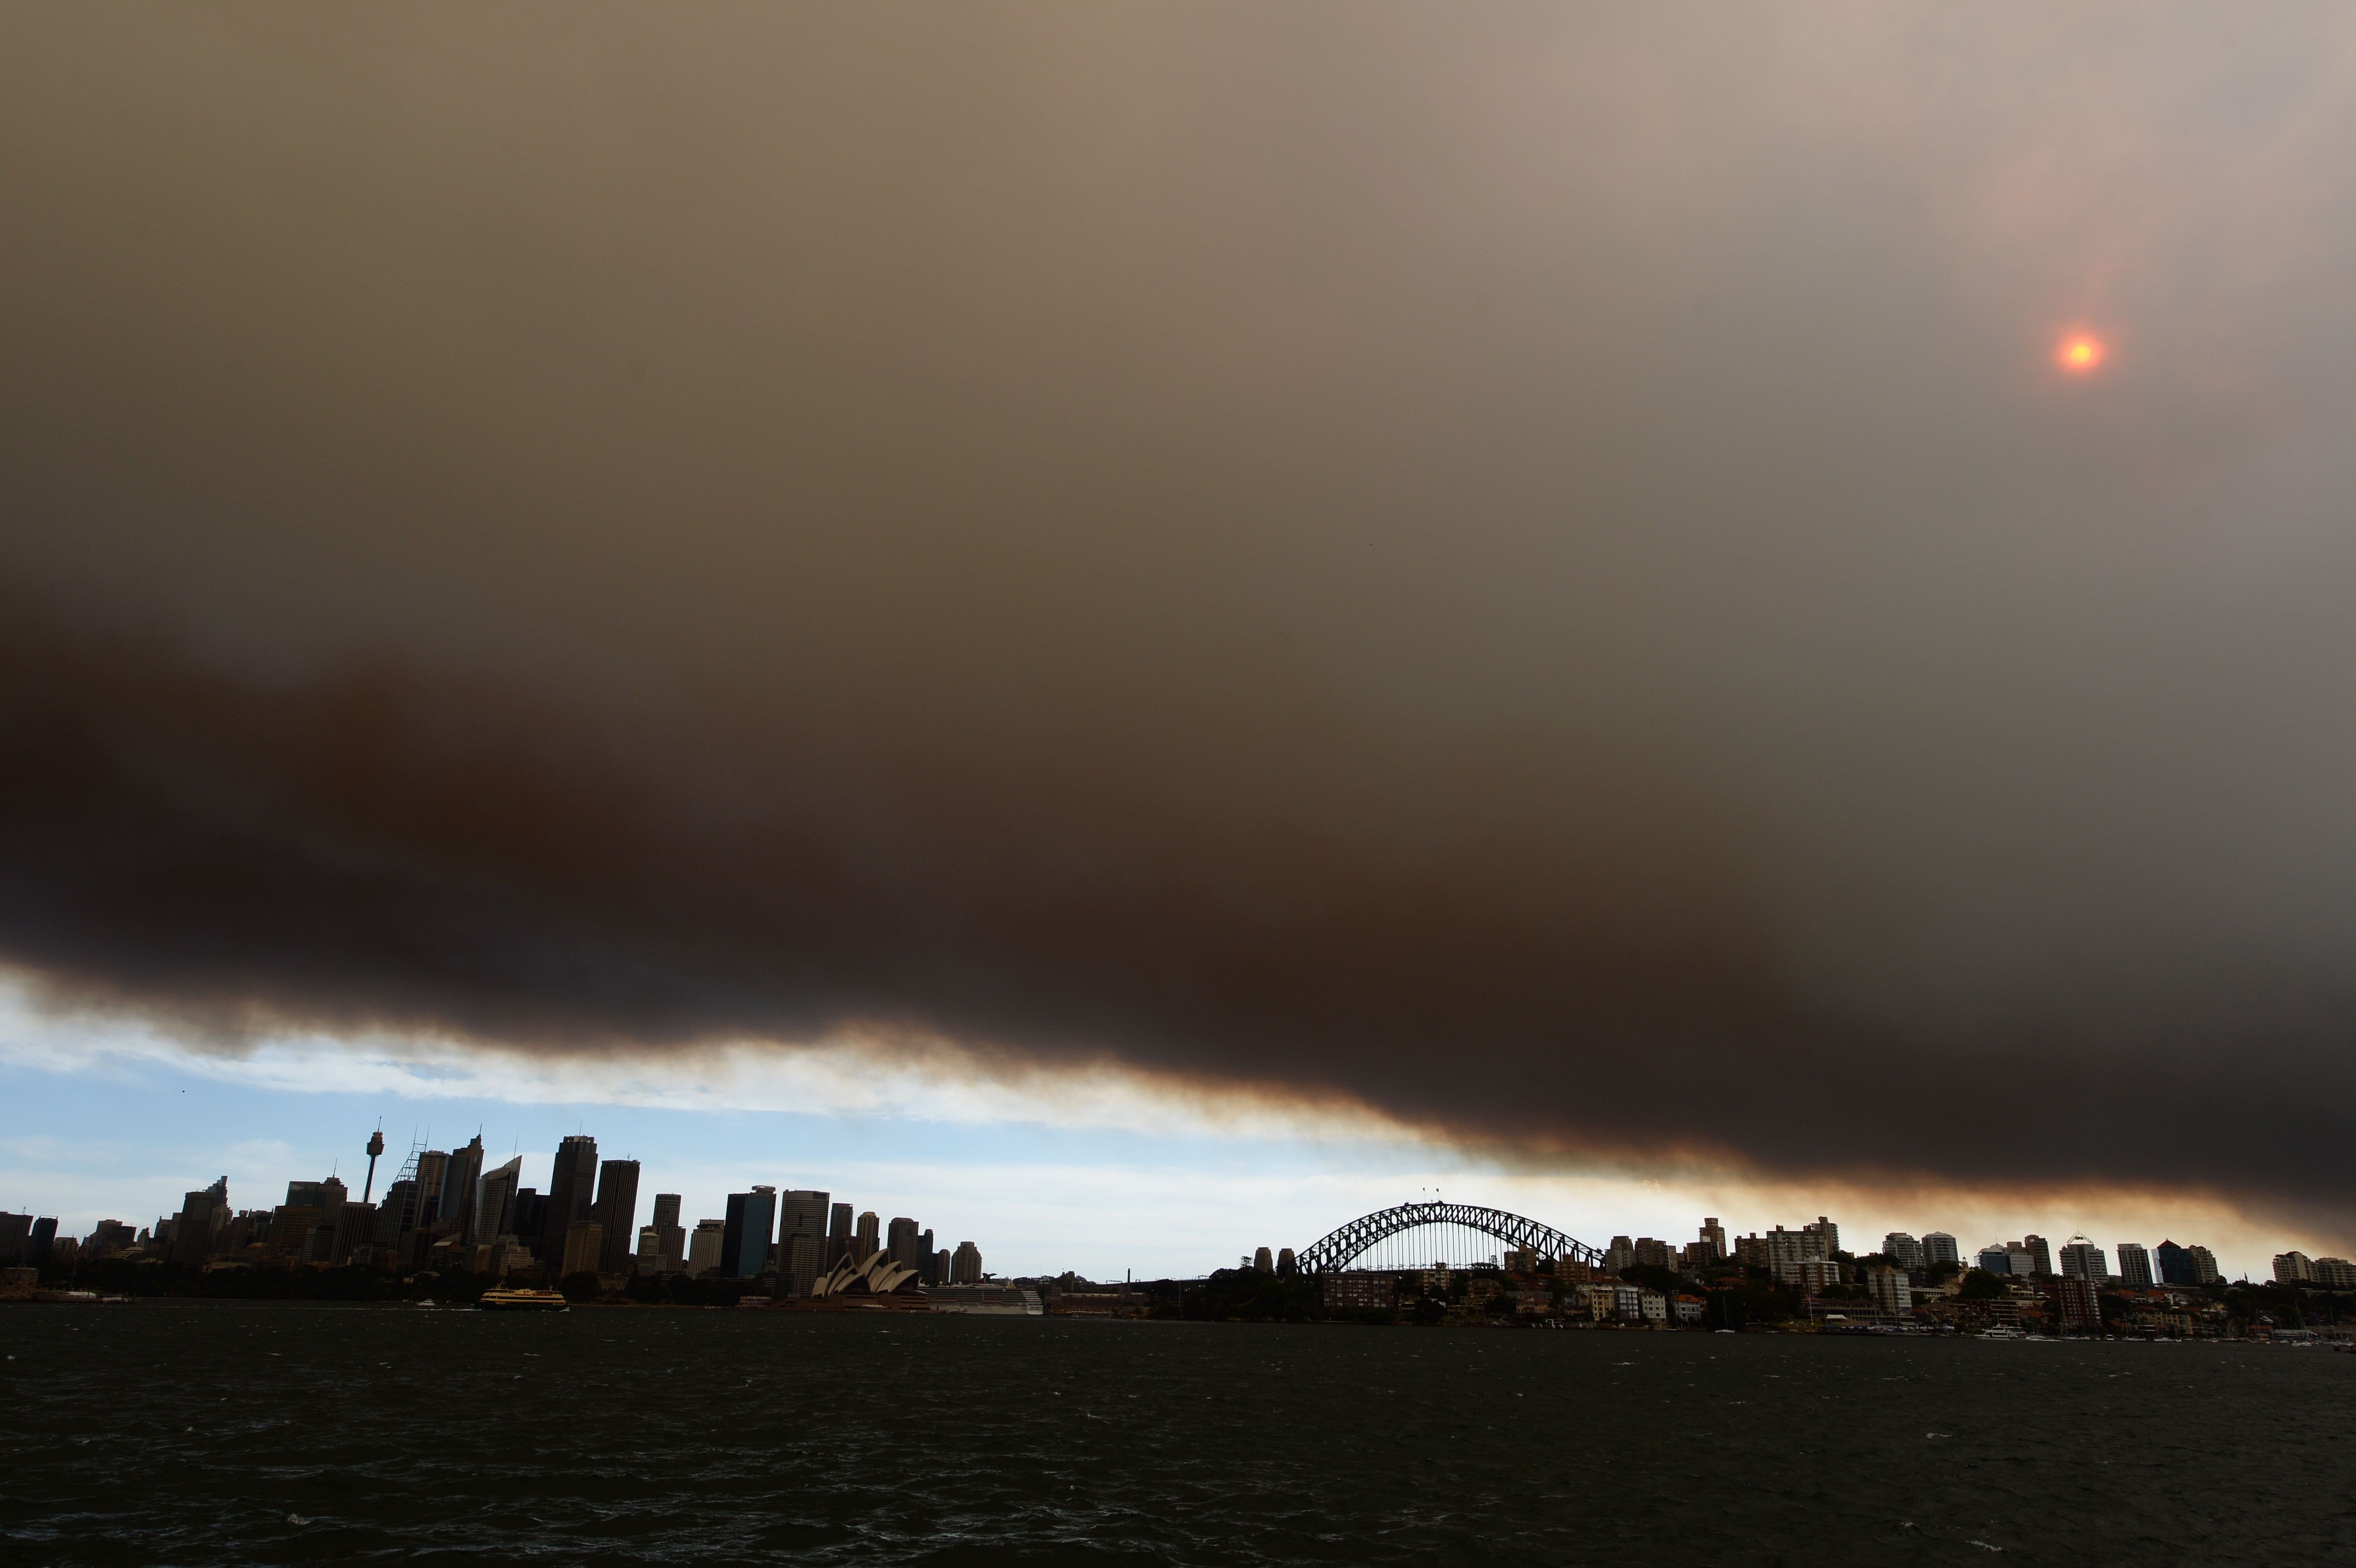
point(2041, 1255)
point(201, 1217)
point(965, 1267)
point(1902, 1249)
point(44, 1239)
point(870, 1240)
point(905, 1246)
point(462, 1189)
point(585, 1246)
point(750, 1225)
point(838, 1239)
point(570, 1190)
point(924, 1250)
point(801, 1240)
point(2134, 1265)
point(617, 1211)
point(2204, 1265)
point(673, 1250)
point(1714, 1234)
point(432, 1165)
point(2080, 1259)
point(704, 1246)
point(495, 1211)
point(1939, 1247)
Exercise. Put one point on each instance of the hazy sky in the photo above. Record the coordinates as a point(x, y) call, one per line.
point(1529, 570)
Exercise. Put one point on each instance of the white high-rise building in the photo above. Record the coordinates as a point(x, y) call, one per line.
point(2134, 1264)
point(2294, 1268)
point(1902, 1250)
point(1939, 1247)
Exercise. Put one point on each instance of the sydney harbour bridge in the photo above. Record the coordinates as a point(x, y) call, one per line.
point(1417, 1235)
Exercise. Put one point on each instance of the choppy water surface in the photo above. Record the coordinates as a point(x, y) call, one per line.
point(218, 1432)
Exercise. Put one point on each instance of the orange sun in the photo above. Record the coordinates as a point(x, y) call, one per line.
point(2080, 353)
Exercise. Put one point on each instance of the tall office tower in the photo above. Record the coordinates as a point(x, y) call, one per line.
point(432, 1165)
point(43, 1240)
point(965, 1268)
point(1997, 1258)
point(838, 1239)
point(349, 1227)
point(584, 1247)
point(618, 1210)
point(870, 1240)
point(2175, 1264)
point(943, 1267)
point(1714, 1233)
point(801, 1240)
point(1824, 1235)
point(306, 1195)
point(2204, 1265)
point(704, 1247)
point(495, 1211)
point(673, 1250)
point(375, 1147)
point(200, 1221)
point(2080, 1259)
point(397, 1214)
point(1939, 1247)
point(903, 1244)
point(2040, 1257)
point(2020, 1260)
point(15, 1237)
point(749, 1228)
point(462, 1190)
point(570, 1190)
point(334, 1194)
point(1902, 1250)
point(2134, 1265)
point(926, 1274)
point(531, 1217)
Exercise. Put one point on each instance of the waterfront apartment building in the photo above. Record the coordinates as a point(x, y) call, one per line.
point(2294, 1268)
point(1939, 1247)
point(2186, 1265)
point(1902, 1249)
point(2081, 1259)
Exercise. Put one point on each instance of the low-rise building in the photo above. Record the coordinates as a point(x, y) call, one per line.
point(1358, 1291)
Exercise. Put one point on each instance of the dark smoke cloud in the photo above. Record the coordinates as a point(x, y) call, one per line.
point(1525, 566)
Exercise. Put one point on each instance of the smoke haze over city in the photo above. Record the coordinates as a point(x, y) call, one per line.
point(1541, 572)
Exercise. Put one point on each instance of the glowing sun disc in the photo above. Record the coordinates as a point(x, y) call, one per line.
point(2079, 353)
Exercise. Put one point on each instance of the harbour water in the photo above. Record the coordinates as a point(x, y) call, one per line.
point(221, 1433)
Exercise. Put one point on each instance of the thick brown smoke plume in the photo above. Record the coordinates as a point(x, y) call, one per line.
point(1527, 566)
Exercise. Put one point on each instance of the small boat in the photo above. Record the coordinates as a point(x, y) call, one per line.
point(522, 1301)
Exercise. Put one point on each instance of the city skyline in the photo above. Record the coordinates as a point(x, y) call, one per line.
point(1485, 608)
point(929, 1190)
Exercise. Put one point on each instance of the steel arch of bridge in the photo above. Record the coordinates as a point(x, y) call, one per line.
point(1338, 1249)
